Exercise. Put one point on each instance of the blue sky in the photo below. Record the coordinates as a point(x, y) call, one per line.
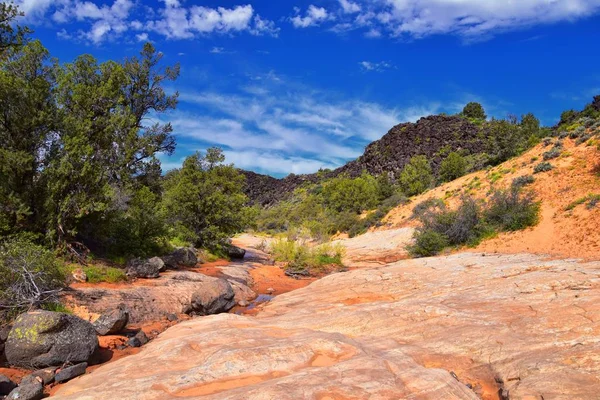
point(297, 86)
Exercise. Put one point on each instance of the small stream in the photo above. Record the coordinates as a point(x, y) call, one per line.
point(261, 299)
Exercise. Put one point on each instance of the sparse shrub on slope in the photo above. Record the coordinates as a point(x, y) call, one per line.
point(542, 167)
point(522, 181)
point(29, 277)
point(512, 209)
point(507, 210)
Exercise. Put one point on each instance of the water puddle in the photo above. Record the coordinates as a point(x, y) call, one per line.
point(251, 308)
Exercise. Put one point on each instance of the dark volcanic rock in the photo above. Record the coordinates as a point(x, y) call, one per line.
point(46, 375)
point(6, 385)
point(31, 390)
point(216, 297)
point(44, 338)
point(183, 257)
point(66, 374)
point(387, 155)
point(234, 251)
point(149, 268)
point(112, 322)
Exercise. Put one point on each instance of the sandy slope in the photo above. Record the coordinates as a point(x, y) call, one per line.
point(560, 233)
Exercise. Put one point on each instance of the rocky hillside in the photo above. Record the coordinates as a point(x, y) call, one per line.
point(430, 136)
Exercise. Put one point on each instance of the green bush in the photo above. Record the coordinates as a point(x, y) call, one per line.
point(452, 167)
point(427, 242)
point(549, 155)
point(304, 260)
point(523, 181)
point(507, 210)
point(512, 210)
point(542, 167)
point(30, 277)
point(416, 177)
point(348, 194)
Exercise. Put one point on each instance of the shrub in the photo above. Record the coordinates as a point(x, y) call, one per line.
point(427, 242)
point(97, 274)
point(549, 155)
point(547, 141)
point(522, 181)
point(304, 260)
point(29, 277)
point(427, 205)
point(512, 209)
point(348, 194)
point(416, 177)
point(542, 167)
point(591, 199)
point(454, 166)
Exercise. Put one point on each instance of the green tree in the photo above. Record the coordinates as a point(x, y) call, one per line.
point(11, 36)
point(351, 194)
point(452, 167)
point(103, 149)
point(474, 110)
point(27, 131)
point(416, 177)
point(204, 200)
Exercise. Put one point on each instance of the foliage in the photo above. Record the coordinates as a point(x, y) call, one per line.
point(542, 167)
point(305, 260)
point(551, 154)
point(354, 195)
point(204, 200)
point(452, 167)
point(30, 277)
point(522, 181)
point(11, 36)
point(507, 210)
point(416, 177)
point(591, 199)
point(474, 110)
point(512, 209)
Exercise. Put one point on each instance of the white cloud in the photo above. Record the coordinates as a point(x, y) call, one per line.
point(470, 19)
point(275, 162)
point(314, 15)
point(375, 66)
point(349, 7)
point(142, 37)
point(172, 20)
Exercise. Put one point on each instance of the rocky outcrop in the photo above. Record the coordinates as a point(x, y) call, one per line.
point(150, 268)
point(467, 326)
point(234, 252)
point(30, 390)
point(147, 300)
point(66, 374)
point(430, 136)
point(112, 321)
point(214, 298)
point(182, 257)
point(43, 338)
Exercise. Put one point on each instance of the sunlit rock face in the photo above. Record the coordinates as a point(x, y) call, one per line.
point(466, 326)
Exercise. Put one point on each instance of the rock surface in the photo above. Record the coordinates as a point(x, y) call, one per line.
point(148, 300)
point(43, 338)
point(149, 268)
point(112, 322)
point(466, 326)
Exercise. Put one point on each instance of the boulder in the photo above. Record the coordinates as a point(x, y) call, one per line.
point(215, 297)
point(6, 385)
point(172, 317)
point(150, 268)
point(182, 257)
point(112, 322)
point(138, 340)
point(4, 331)
point(234, 251)
point(44, 338)
point(66, 374)
point(46, 375)
point(31, 390)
